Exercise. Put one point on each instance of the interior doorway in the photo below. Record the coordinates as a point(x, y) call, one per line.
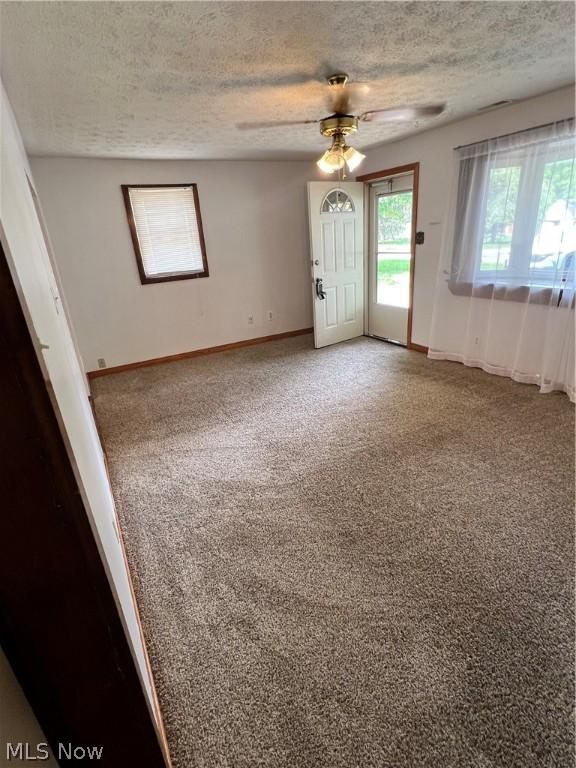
point(392, 206)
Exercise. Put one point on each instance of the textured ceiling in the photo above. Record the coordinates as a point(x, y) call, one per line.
point(162, 79)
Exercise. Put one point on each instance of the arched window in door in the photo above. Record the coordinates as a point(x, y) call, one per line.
point(337, 201)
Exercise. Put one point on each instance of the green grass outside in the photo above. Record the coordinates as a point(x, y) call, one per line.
point(390, 267)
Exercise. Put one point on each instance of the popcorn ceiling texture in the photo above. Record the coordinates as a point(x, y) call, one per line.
point(170, 80)
point(349, 558)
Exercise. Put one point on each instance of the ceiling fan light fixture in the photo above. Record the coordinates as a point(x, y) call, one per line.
point(332, 160)
point(353, 158)
point(339, 155)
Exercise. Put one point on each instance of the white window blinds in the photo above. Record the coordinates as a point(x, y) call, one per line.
point(167, 226)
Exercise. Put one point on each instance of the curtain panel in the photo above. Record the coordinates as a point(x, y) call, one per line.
point(505, 292)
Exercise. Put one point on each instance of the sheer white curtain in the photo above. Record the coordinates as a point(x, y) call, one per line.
point(504, 297)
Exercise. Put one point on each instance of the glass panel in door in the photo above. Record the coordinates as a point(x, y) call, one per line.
point(394, 230)
point(390, 257)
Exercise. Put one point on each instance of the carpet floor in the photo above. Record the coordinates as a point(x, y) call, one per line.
point(349, 558)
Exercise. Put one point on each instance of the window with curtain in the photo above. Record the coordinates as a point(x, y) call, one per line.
point(505, 295)
point(166, 229)
point(515, 218)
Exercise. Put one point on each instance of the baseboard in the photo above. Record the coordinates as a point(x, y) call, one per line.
point(418, 348)
point(196, 353)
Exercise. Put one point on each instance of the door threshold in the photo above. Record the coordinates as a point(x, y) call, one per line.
point(389, 341)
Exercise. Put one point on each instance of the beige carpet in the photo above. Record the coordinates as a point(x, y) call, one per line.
point(349, 558)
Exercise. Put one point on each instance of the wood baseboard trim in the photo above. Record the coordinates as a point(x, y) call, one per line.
point(418, 348)
point(196, 353)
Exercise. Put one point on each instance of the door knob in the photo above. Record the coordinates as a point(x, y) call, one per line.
point(319, 291)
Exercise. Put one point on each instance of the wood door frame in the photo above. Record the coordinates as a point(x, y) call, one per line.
point(413, 168)
point(60, 626)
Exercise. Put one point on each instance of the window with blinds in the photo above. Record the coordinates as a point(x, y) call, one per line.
point(166, 231)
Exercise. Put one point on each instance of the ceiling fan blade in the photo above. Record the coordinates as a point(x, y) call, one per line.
point(273, 124)
point(401, 114)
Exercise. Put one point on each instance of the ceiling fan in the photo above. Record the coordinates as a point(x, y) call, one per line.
point(341, 123)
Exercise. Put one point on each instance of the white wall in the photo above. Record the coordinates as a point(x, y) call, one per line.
point(255, 225)
point(434, 151)
point(17, 721)
point(30, 264)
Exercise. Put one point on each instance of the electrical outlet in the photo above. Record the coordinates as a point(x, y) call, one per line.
point(250, 319)
point(101, 362)
point(269, 315)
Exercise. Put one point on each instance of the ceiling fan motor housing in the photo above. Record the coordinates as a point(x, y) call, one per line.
point(342, 124)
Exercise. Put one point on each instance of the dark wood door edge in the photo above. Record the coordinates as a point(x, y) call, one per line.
point(59, 623)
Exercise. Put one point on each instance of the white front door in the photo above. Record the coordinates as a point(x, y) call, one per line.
point(390, 257)
point(336, 218)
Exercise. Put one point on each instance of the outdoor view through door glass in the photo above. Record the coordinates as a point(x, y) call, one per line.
point(394, 251)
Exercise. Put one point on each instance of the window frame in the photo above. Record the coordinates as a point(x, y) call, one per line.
point(147, 279)
point(338, 191)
